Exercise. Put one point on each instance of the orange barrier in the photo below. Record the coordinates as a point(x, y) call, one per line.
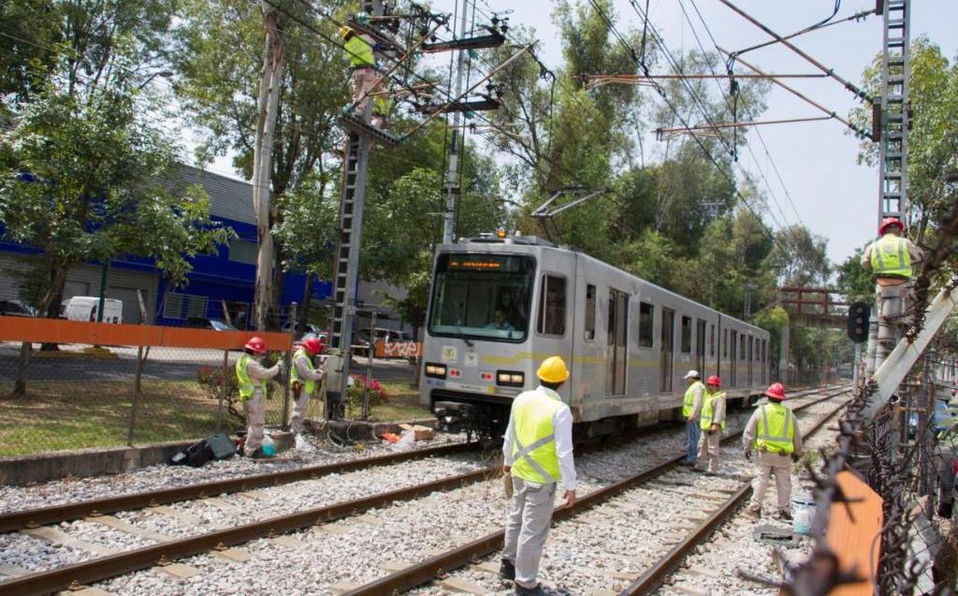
point(27, 329)
point(854, 533)
point(398, 349)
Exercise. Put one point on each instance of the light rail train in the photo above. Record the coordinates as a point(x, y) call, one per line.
point(500, 305)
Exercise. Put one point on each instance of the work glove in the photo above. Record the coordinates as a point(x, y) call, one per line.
point(748, 455)
point(507, 484)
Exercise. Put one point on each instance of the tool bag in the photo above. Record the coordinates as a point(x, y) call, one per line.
point(195, 455)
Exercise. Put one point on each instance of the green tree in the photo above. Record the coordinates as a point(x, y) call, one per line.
point(855, 282)
point(219, 59)
point(933, 138)
point(800, 257)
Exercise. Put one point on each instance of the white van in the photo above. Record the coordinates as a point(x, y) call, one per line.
point(84, 308)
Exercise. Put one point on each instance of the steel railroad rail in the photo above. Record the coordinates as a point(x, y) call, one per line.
point(433, 567)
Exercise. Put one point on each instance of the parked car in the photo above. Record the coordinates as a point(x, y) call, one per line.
point(85, 308)
point(15, 308)
point(294, 328)
point(209, 323)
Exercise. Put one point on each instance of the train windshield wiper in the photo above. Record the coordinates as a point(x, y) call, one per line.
point(462, 335)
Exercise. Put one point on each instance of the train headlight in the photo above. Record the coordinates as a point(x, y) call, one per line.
point(510, 378)
point(436, 371)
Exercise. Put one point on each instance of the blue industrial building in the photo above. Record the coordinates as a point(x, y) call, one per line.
point(223, 279)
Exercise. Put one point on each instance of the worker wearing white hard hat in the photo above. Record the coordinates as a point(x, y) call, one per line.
point(691, 410)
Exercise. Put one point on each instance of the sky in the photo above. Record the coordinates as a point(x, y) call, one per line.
point(827, 191)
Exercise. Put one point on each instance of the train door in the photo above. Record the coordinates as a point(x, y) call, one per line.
point(700, 345)
point(751, 359)
point(616, 352)
point(733, 360)
point(667, 344)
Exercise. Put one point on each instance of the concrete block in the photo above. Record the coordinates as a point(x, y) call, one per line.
point(488, 567)
point(233, 555)
point(462, 586)
point(288, 542)
point(393, 566)
point(13, 570)
point(179, 570)
point(125, 526)
point(59, 537)
point(343, 587)
point(84, 592)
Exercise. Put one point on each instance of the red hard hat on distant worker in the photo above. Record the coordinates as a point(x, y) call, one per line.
point(714, 380)
point(313, 346)
point(776, 391)
point(890, 221)
point(256, 345)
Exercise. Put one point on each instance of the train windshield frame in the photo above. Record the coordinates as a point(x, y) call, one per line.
point(482, 296)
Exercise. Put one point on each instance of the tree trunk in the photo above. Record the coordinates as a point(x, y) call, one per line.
point(49, 307)
point(307, 297)
point(268, 104)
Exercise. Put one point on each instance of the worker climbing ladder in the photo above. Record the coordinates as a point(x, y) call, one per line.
point(892, 125)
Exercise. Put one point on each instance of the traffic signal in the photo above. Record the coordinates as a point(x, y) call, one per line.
point(858, 314)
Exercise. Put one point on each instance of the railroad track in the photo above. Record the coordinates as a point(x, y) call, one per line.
point(439, 565)
point(167, 550)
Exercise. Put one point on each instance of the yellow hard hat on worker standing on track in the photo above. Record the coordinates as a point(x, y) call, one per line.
point(553, 370)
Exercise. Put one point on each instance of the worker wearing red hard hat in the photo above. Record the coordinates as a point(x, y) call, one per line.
point(773, 433)
point(302, 380)
point(891, 258)
point(251, 376)
point(712, 423)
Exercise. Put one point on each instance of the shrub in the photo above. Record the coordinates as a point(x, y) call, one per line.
point(377, 393)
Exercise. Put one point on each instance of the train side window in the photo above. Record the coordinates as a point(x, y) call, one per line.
point(711, 340)
point(686, 335)
point(724, 343)
point(552, 306)
point(646, 318)
point(741, 347)
point(590, 312)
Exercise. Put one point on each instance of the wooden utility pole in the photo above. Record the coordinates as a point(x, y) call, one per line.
point(268, 106)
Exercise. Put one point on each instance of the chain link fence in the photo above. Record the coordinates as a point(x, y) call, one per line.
point(68, 396)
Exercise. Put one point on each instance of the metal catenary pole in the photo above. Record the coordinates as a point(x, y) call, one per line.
point(452, 178)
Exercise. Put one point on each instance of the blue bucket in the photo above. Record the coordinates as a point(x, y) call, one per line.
point(803, 510)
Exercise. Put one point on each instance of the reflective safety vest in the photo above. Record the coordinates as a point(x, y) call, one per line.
point(533, 439)
point(360, 51)
point(688, 405)
point(246, 383)
point(776, 429)
point(382, 105)
point(890, 257)
point(708, 401)
point(308, 385)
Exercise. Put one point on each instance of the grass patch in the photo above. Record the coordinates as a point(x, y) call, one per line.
point(60, 415)
point(67, 415)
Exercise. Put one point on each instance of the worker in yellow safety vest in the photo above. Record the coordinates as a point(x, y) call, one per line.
point(773, 433)
point(691, 410)
point(891, 258)
point(251, 377)
point(302, 380)
point(712, 423)
point(537, 452)
point(360, 49)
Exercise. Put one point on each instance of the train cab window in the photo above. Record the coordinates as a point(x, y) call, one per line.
point(686, 335)
point(646, 319)
point(551, 320)
point(590, 312)
point(482, 296)
point(711, 340)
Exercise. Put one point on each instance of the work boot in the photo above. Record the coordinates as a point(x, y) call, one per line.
point(507, 570)
point(784, 515)
point(687, 464)
point(536, 591)
point(258, 454)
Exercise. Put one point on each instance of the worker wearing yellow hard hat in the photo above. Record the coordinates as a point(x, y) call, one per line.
point(537, 453)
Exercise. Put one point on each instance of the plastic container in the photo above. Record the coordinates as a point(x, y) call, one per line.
point(269, 449)
point(803, 509)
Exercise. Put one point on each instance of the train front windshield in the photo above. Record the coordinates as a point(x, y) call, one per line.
point(482, 296)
